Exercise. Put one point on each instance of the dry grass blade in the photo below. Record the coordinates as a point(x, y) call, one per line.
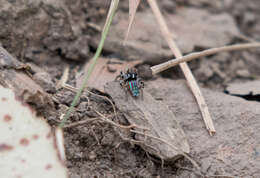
point(132, 126)
point(133, 5)
point(113, 5)
point(112, 10)
point(187, 73)
point(79, 123)
point(73, 89)
point(173, 62)
point(64, 78)
point(60, 143)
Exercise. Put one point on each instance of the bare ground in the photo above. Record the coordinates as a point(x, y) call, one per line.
point(52, 36)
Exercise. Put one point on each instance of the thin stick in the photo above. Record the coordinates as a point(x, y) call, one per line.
point(64, 78)
point(111, 13)
point(75, 124)
point(105, 119)
point(74, 89)
point(173, 62)
point(185, 68)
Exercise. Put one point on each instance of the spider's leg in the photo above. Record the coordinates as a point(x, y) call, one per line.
point(140, 85)
point(121, 82)
point(117, 77)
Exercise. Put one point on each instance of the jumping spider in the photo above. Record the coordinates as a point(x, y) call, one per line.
point(130, 81)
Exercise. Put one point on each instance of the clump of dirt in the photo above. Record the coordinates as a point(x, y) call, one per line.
point(97, 149)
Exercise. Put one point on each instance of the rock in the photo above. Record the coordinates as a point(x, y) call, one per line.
point(245, 88)
point(145, 72)
point(78, 50)
point(234, 150)
point(249, 18)
point(192, 28)
point(204, 72)
point(243, 73)
point(66, 97)
point(92, 156)
point(42, 26)
point(45, 81)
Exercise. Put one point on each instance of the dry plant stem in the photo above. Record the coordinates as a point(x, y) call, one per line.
point(75, 124)
point(175, 148)
point(105, 119)
point(64, 78)
point(132, 126)
point(133, 5)
point(73, 89)
point(94, 26)
point(185, 68)
point(173, 62)
point(111, 13)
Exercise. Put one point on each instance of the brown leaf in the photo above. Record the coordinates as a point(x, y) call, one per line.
point(156, 117)
point(105, 71)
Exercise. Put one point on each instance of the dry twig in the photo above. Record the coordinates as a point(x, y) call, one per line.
point(64, 78)
point(94, 26)
point(103, 118)
point(74, 89)
point(133, 5)
point(132, 126)
point(185, 68)
point(173, 62)
point(75, 124)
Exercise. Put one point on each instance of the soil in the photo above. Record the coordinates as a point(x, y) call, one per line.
point(49, 37)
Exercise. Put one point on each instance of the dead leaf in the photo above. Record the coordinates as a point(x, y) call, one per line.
point(105, 71)
point(160, 121)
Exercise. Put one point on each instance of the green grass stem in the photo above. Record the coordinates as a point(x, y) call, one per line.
point(112, 10)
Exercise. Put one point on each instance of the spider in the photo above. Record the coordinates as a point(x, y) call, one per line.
point(131, 81)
